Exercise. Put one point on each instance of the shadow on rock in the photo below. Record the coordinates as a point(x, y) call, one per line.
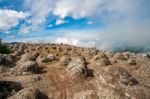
point(8, 88)
point(87, 72)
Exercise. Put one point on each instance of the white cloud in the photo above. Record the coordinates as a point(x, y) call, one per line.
point(126, 21)
point(60, 21)
point(39, 10)
point(90, 22)
point(76, 8)
point(64, 40)
point(24, 29)
point(10, 18)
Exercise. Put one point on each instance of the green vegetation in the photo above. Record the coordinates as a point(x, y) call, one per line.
point(4, 49)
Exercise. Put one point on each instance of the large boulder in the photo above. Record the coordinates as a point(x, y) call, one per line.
point(29, 67)
point(126, 78)
point(116, 76)
point(119, 56)
point(7, 60)
point(132, 62)
point(99, 56)
point(119, 82)
point(28, 57)
point(64, 60)
point(89, 94)
point(109, 54)
point(1, 59)
point(101, 60)
point(78, 67)
point(104, 62)
point(29, 93)
point(49, 58)
point(8, 88)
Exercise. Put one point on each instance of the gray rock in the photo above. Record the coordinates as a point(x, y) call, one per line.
point(29, 93)
point(99, 56)
point(64, 60)
point(29, 67)
point(132, 61)
point(6, 60)
point(119, 56)
point(89, 94)
point(8, 88)
point(49, 58)
point(104, 62)
point(1, 60)
point(75, 67)
point(27, 57)
point(126, 78)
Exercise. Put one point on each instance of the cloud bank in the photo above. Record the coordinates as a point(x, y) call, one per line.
point(125, 22)
point(10, 18)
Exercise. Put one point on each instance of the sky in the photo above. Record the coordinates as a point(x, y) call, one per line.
point(104, 24)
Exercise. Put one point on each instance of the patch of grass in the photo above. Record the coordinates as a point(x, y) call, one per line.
point(4, 49)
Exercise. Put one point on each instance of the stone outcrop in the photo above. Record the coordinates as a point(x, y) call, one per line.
point(64, 60)
point(49, 58)
point(29, 93)
point(60, 71)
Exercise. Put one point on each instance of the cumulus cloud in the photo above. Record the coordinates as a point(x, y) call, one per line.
point(60, 21)
point(126, 22)
point(39, 10)
point(76, 8)
point(10, 18)
point(77, 37)
point(71, 41)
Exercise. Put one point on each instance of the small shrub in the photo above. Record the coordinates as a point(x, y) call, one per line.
point(4, 49)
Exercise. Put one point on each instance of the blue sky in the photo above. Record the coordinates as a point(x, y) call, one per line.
point(105, 24)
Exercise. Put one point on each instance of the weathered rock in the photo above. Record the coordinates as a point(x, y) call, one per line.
point(119, 56)
point(119, 83)
point(126, 78)
point(126, 55)
point(28, 57)
point(116, 77)
point(99, 56)
point(109, 54)
point(111, 75)
point(8, 88)
point(6, 60)
point(132, 61)
point(49, 58)
point(18, 53)
point(89, 94)
point(143, 72)
point(101, 60)
point(1, 59)
point(34, 56)
point(29, 93)
point(104, 62)
point(64, 60)
point(143, 55)
point(75, 67)
point(29, 67)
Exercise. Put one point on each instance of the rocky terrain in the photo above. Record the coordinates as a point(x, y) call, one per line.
point(59, 71)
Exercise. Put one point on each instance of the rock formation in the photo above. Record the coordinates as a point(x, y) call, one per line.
point(60, 71)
